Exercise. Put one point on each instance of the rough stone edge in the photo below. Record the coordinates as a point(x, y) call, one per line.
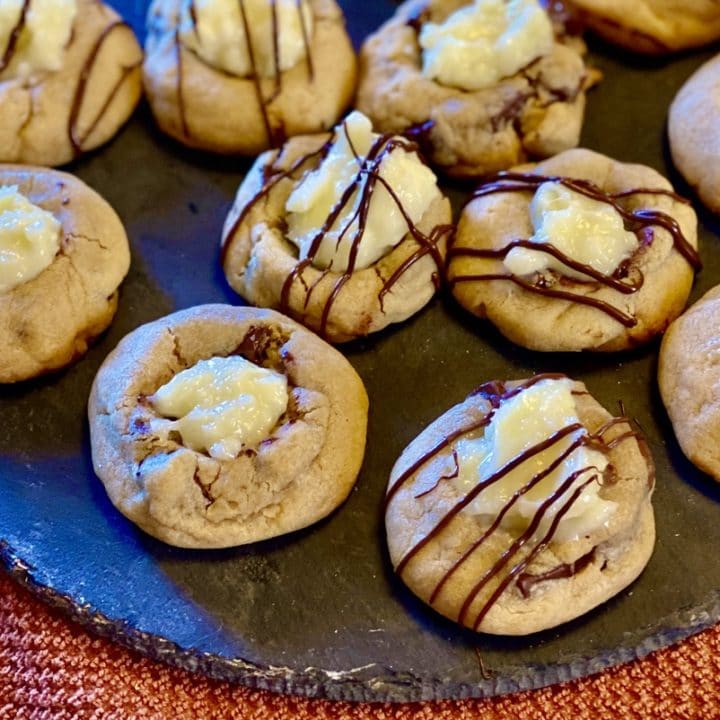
point(371, 683)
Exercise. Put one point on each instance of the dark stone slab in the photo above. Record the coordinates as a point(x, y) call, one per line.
point(319, 612)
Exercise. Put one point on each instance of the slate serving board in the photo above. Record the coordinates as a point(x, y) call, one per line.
point(319, 612)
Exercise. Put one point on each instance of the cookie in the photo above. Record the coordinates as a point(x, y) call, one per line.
point(249, 482)
point(50, 316)
point(528, 254)
point(531, 108)
point(209, 91)
point(521, 508)
point(688, 376)
point(63, 96)
point(653, 27)
point(345, 264)
point(694, 135)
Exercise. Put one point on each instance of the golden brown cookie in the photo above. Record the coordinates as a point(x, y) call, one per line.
point(536, 112)
point(653, 27)
point(263, 266)
point(689, 378)
point(694, 135)
point(206, 107)
point(48, 321)
point(51, 117)
point(299, 473)
point(528, 536)
point(550, 309)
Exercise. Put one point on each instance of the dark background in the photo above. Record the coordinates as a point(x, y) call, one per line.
point(319, 612)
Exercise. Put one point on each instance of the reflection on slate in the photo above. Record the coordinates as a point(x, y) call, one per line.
point(319, 612)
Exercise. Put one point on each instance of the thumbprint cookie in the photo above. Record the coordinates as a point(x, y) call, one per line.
point(579, 252)
point(219, 426)
point(521, 508)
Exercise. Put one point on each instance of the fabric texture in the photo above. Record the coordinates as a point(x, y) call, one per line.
point(51, 668)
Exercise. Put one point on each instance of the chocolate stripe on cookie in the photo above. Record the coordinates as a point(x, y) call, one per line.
point(272, 176)
point(254, 73)
point(491, 480)
point(275, 134)
point(533, 553)
point(638, 219)
point(445, 442)
point(80, 91)
point(14, 36)
point(306, 40)
point(526, 581)
point(612, 281)
point(611, 310)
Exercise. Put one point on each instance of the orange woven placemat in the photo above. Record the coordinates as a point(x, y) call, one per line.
point(52, 668)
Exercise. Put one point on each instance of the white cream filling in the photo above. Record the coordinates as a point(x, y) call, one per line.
point(588, 231)
point(29, 238)
point(219, 38)
point(222, 405)
point(320, 191)
point(483, 42)
point(43, 39)
point(522, 422)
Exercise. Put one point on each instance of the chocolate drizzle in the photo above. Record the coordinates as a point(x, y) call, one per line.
point(526, 581)
point(271, 177)
point(626, 279)
point(81, 89)
point(455, 472)
point(275, 133)
point(368, 169)
point(192, 11)
point(254, 71)
point(11, 46)
point(420, 133)
point(567, 493)
point(306, 40)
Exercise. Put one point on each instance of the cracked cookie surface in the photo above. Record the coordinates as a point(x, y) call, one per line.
point(689, 376)
point(301, 472)
point(48, 321)
point(537, 112)
point(555, 312)
point(54, 116)
point(210, 109)
point(474, 566)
